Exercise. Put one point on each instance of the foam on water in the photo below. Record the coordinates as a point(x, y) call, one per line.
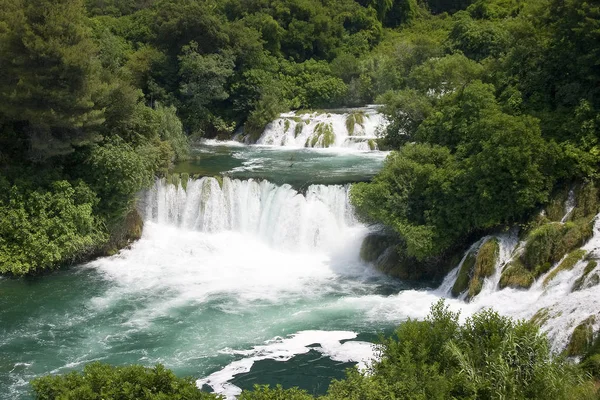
point(328, 343)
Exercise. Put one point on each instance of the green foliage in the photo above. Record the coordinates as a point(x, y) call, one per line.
point(46, 52)
point(488, 357)
point(47, 228)
point(491, 172)
point(277, 393)
point(117, 172)
point(170, 130)
point(101, 381)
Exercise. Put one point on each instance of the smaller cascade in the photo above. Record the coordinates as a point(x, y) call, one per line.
point(278, 214)
point(355, 128)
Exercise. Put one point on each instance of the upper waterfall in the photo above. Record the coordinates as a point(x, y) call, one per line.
point(354, 128)
point(279, 215)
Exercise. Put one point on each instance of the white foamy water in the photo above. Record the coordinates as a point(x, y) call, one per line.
point(272, 273)
point(280, 349)
point(326, 129)
point(279, 215)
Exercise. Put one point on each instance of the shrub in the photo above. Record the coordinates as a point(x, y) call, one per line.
point(43, 229)
point(101, 381)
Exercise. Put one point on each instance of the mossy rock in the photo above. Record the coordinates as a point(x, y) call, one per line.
point(567, 264)
point(322, 135)
point(485, 265)
point(516, 276)
point(578, 285)
point(124, 233)
point(586, 201)
point(549, 243)
point(374, 246)
point(464, 275)
point(540, 244)
point(185, 177)
point(298, 129)
point(353, 119)
point(286, 125)
point(174, 179)
point(219, 179)
point(582, 338)
point(555, 210)
point(372, 144)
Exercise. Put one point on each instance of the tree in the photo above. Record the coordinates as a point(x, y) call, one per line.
point(49, 73)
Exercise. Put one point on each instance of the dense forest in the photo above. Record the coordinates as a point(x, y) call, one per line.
point(494, 106)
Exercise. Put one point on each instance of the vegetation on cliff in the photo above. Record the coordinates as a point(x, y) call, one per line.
point(495, 109)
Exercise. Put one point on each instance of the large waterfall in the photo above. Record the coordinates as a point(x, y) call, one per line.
point(279, 215)
point(322, 219)
point(348, 128)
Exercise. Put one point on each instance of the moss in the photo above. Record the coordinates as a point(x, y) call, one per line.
point(286, 125)
point(540, 245)
point(485, 265)
point(323, 135)
point(567, 264)
point(516, 275)
point(185, 177)
point(124, 233)
point(373, 247)
point(464, 275)
point(549, 243)
point(541, 316)
point(353, 119)
point(576, 234)
point(173, 179)
point(298, 129)
point(328, 138)
point(582, 338)
point(586, 199)
point(578, 285)
point(219, 179)
point(555, 210)
point(372, 144)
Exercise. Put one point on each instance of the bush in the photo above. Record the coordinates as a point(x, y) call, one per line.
point(489, 357)
point(43, 229)
point(101, 381)
point(116, 171)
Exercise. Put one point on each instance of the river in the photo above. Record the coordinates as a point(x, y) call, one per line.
point(255, 279)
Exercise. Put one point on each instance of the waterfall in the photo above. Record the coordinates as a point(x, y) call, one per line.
point(348, 128)
point(556, 306)
point(279, 215)
point(321, 219)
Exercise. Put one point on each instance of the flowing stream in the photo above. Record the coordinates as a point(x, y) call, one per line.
point(246, 281)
